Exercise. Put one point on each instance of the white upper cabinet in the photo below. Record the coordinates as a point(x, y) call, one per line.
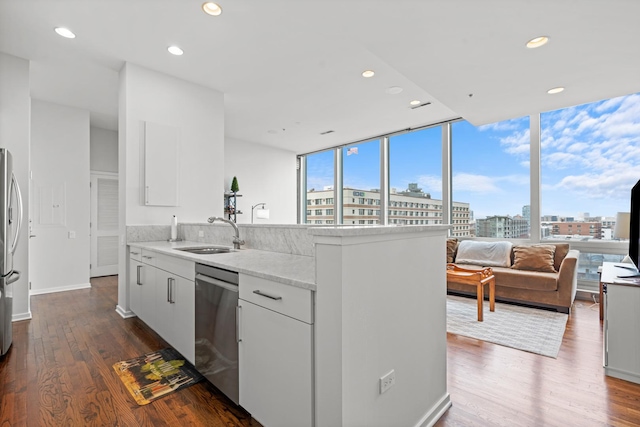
point(161, 162)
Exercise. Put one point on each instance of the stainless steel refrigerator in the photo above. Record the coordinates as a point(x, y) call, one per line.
point(10, 222)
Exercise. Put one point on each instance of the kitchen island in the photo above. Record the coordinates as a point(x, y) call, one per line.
point(372, 348)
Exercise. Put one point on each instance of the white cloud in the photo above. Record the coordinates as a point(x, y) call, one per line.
point(517, 143)
point(430, 183)
point(483, 184)
point(506, 125)
point(610, 184)
point(475, 183)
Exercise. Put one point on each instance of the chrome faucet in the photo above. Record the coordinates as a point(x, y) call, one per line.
point(236, 240)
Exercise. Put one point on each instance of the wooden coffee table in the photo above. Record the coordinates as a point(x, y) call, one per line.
point(477, 278)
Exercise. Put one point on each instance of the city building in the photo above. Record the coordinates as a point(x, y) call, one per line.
point(591, 229)
point(505, 227)
point(362, 207)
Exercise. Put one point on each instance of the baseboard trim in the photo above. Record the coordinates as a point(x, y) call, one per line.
point(125, 314)
point(21, 316)
point(59, 289)
point(433, 415)
point(623, 375)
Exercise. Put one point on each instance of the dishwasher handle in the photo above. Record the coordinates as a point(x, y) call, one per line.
point(228, 286)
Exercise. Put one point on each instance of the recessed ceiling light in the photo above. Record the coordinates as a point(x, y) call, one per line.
point(555, 90)
point(175, 50)
point(211, 8)
point(394, 90)
point(537, 42)
point(415, 102)
point(65, 32)
point(368, 73)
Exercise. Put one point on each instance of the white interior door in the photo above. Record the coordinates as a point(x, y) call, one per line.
point(104, 224)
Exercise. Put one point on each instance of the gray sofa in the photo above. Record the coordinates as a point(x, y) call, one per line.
point(525, 284)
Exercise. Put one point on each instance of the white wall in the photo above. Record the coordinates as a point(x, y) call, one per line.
point(60, 167)
point(198, 113)
point(15, 116)
point(380, 306)
point(104, 150)
point(265, 175)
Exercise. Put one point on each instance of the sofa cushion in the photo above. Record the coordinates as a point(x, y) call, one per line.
point(562, 249)
point(487, 254)
point(452, 246)
point(534, 258)
point(523, 279)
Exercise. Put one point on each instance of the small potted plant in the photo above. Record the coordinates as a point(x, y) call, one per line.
point(234, 185)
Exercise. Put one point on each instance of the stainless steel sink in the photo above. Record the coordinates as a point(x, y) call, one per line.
point(206, 250)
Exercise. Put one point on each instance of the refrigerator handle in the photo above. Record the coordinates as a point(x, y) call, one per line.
point(14, 183)
point(15, 275)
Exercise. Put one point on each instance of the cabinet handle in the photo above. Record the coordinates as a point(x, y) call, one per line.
point(170, 285)
point(238, 339)
point(139, 267)
point(147, 257)
point(135, 253)
point(258, 292)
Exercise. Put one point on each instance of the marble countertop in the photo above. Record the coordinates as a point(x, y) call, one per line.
point(293, 270)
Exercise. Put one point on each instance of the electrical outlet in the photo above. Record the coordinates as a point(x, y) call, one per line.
point(200, 233)
point(387, 381)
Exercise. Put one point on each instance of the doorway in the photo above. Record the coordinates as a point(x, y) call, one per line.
point(104, 224)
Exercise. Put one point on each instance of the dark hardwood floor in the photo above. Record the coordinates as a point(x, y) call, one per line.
point(59, 372)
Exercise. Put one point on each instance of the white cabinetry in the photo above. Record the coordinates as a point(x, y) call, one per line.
point(142, 286)
point(175, 304)
point(276, 352)
point(162, 294)
point(160, 165)
point(621, 317)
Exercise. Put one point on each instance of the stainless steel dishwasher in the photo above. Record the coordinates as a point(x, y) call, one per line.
point(217, 329)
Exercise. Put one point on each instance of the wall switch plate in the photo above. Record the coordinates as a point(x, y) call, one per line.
point(72, 234)
point(200, 233)
point(387, 381)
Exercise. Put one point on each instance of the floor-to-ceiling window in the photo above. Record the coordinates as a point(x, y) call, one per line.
point(415, 177)
point(590, 159)
point(361, 183)
point(319, 188)
point(490, 172)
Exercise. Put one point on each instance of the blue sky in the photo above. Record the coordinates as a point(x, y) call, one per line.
point(590, 160)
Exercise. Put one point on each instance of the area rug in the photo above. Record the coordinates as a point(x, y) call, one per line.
point(529, 329)
point(156, 374)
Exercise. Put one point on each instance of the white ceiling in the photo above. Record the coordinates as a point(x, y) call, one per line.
point(290, 69)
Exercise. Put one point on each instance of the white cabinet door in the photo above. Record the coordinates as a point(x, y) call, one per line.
point(622, 340)
point(165, 308)
point(184, 318)
point(161, 154)
point(148, 295)
point(175, 304)
point(135, 297)
point(275, 361)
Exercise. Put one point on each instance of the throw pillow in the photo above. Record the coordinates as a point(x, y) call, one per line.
point(452, 245)
point(486, 254)
point(534, 258)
